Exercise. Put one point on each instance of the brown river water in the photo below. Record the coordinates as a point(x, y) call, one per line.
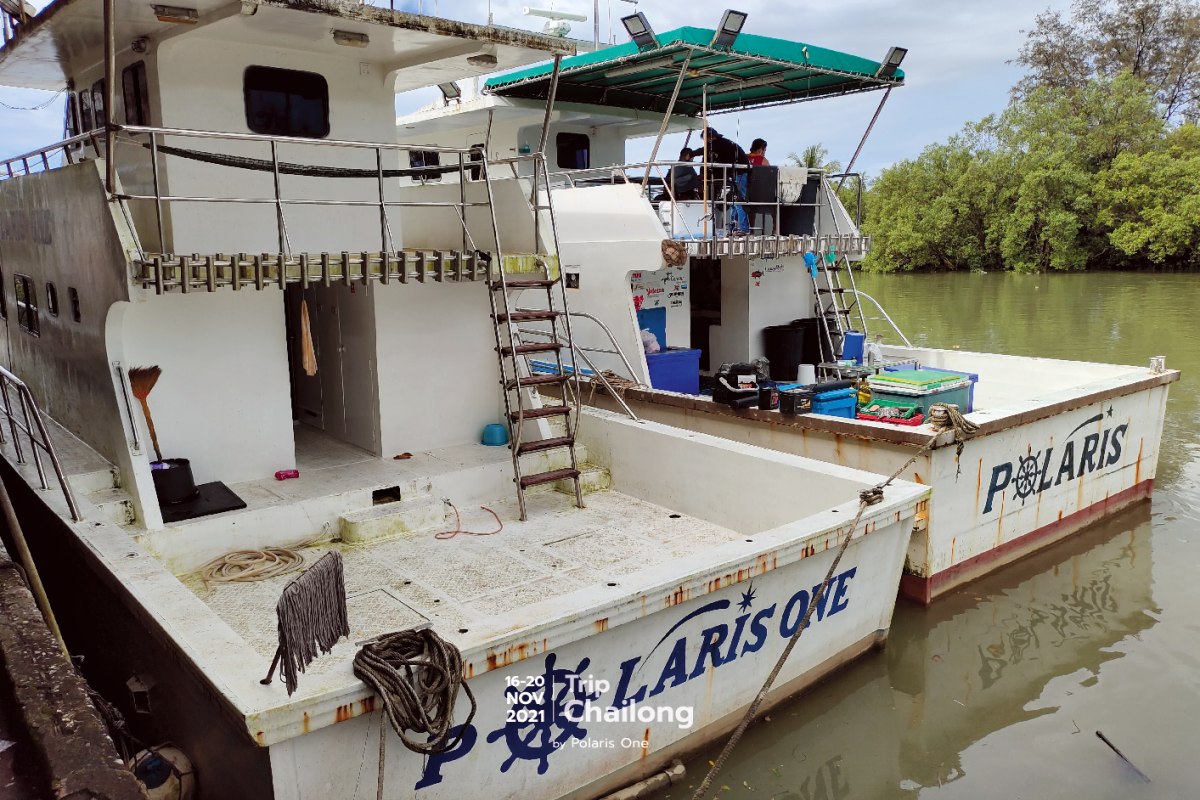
point(998, 689)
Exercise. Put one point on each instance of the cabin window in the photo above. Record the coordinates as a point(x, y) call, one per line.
point(574, 150)
point(286, 102)
point(73, 296)
point(51, 299)
point(71, 123)
point(98, 103)
point(85, 111)
point(26, 296)
point(425, 158)
point(136, 93)
point(476, 157)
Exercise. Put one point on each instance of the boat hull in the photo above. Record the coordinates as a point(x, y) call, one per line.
point(611, 709)
point(1027, 479)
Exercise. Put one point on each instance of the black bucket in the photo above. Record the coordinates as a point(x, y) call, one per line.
point(173, 480)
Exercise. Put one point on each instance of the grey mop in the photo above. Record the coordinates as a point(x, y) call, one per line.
point(312, 616)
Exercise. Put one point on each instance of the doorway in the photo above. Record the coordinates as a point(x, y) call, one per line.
point(341, 397)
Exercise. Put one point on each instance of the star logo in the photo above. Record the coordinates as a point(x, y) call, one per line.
point(1110, 411)
point(747, 599)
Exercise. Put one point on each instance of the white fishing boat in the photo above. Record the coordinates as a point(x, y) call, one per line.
point(244, 330)
point(1059, 443)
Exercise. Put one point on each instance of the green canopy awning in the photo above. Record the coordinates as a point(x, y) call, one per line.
point(756, 71)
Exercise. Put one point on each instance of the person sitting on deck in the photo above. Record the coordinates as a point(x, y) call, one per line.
point(758, 153)
point(685, 181)
point(729, 154)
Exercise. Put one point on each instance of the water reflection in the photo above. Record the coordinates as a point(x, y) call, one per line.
point(974, 663)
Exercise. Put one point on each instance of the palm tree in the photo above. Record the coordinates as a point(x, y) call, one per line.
point(814, 157)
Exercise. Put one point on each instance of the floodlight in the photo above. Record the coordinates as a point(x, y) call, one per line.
point(450, 91)
point(727, 32)
point(640, 31)
point(350, 38)
point(891, 62)
point(182, 16)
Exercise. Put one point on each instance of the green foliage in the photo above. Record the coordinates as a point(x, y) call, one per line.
point(1049, 184)
point(1151, 201)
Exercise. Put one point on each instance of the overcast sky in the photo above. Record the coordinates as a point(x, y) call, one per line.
point(955, 70)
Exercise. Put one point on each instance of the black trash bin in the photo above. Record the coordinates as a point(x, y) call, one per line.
point(784, 347)
point(816, 349)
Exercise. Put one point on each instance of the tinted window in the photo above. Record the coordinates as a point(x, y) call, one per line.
point(98, 102)
point(73, 295)
point(425, 158)
point(51, 299)
point(136, 94)
point(573, 150)
point(85, 109)
point(286, 102)
point(26, 297)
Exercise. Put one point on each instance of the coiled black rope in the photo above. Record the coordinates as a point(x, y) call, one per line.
point(417, 674)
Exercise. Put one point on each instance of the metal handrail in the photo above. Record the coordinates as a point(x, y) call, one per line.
point(37, 441)
point(886, 317)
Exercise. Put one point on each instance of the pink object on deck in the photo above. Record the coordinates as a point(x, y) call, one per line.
point(284, 474)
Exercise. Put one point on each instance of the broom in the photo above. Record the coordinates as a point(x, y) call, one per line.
point(141, 381)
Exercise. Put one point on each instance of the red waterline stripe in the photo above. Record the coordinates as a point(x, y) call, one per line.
point(924, 590)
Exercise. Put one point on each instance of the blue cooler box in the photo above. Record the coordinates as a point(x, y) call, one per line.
point(922, 387)
point(969, 375)
point(838, 403)
point(676, 369)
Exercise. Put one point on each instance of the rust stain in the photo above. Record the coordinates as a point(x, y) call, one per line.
point(1137, 468)
point(646, 743)
point(601, 625)
point(837, 448)
point(492, 662)
point(261, 738)
point(714, 585)
point(978, 484)
point(344, 713)
point(368, 705)
point(680, 595)
point(917, 477)
point(1060, 513)
point(471, 670)
point(307, 723)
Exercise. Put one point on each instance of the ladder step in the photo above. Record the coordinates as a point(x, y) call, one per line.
point(838, 290)
point(523, 283)
point(548, 477)
point(539, 413)
point(536, 380)
point(545, 444)
point(528, 316)
point(526, 349)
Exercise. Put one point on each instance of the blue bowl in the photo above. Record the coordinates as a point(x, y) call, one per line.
point(495, 435)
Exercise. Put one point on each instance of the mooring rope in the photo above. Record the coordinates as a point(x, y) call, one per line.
point(417, 675)
point(244, 566)
point(943, 415)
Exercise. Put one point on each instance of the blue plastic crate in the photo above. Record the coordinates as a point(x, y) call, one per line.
point(676, 369)
point(838, 403)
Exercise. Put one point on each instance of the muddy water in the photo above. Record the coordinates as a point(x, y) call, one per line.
point(998, 690)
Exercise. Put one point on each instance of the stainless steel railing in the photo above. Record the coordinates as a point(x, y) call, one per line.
point(31, 424)
point(885, 318)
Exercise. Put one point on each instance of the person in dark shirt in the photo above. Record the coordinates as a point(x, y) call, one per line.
point(728, 153)
point(685, 181)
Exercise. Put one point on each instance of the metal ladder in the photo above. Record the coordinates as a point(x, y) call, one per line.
point(522, 403)
point(832, 305)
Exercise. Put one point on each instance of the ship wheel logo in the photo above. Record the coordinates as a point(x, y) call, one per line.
point(1027, 477)
point(550, 726)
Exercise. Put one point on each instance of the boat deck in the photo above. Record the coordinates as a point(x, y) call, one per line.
point(459, 583)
